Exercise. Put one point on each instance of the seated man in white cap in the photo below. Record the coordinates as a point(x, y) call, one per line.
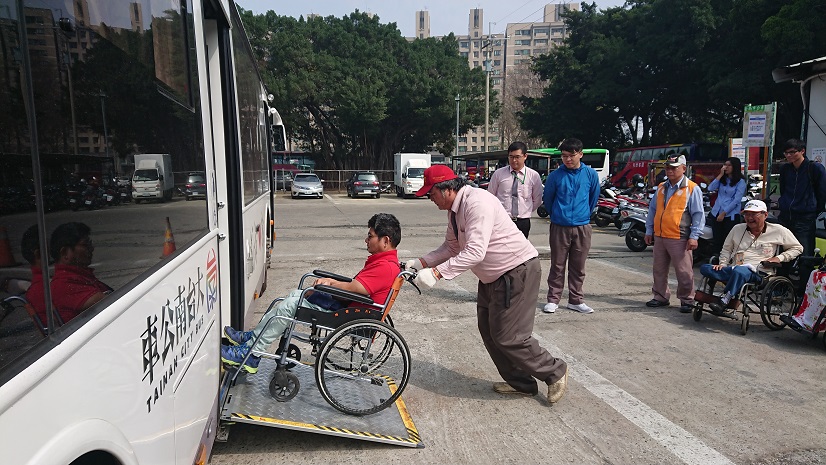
point(745, 248)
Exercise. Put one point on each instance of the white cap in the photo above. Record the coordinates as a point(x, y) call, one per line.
point(676, 161)
point(755, 206)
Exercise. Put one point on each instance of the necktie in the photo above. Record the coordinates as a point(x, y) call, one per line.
point(515, 195)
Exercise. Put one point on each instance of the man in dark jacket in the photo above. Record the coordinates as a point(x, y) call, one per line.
point(802, 193)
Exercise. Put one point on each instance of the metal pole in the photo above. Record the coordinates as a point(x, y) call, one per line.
point(456, 152)
point(487, 102)
point(105, 131)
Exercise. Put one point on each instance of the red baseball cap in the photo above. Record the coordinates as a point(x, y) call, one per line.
point(434, 175)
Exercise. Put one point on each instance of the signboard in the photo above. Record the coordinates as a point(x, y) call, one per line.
point(758, 125)
point(737, 150)
point(818, 155)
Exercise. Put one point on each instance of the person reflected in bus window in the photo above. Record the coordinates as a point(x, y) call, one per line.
point(384, 234)
point(725, 213)
point(30, 249)
point(74, 285)
point(802, 193)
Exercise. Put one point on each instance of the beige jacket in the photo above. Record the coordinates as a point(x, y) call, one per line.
point(775, 236)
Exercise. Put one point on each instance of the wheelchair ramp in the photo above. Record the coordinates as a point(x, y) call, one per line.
point(249, 401)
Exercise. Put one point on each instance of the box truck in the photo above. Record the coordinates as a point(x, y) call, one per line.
point(408, 172)
point(152, 179)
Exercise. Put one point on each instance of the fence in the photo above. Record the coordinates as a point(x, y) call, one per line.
point(336, 180)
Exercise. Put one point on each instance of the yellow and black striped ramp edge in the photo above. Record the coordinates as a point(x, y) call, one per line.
point(249, 401)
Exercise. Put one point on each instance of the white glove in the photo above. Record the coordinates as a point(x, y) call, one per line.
point(413, 264)
point(426, 278)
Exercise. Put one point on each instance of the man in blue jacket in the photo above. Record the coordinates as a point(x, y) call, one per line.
point(802, 194)
point(571, 194)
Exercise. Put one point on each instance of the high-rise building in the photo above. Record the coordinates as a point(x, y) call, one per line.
point(507, 55)
point(422, 24)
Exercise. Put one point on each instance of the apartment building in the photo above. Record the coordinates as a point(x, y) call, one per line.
point(503, 55)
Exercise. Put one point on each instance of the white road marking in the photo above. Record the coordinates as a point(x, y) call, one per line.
point(678, 441)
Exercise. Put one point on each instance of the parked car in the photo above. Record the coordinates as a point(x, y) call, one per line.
point(364, 183)
point(195, 187)
point(307, 185)
point(283, 180)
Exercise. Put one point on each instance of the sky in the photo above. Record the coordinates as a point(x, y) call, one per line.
point(446, 16)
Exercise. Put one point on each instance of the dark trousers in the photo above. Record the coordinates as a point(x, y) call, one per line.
point(507, 330)
point(524, 225)
point(720, 230)
point(803, 226)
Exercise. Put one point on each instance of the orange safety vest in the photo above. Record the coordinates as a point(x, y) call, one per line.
point(673, 221)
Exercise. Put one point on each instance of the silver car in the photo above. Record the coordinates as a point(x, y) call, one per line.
point(307, 185)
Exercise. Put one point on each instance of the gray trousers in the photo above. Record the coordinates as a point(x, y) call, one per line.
point(507, 330)
point(569, 246)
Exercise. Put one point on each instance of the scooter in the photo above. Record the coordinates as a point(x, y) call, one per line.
point(633, 227)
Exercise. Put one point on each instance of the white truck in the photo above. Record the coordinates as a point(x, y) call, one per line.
point(408, 172)
point(152, 179)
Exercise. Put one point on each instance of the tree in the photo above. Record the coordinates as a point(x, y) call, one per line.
point(355, 91)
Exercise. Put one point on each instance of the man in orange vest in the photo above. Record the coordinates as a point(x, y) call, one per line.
point(676, 217)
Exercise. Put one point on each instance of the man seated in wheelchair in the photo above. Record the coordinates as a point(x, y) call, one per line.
point(375, 279)
point(746, 246)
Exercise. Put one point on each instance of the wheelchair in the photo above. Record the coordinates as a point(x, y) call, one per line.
point(773, 297)
point(362, 363)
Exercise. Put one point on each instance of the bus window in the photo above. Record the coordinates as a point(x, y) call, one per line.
point(658, 154)
point(637, 155)
point(711, 152)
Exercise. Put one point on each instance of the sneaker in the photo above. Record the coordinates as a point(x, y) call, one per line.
point(656, 303)
point(505, 388)
point(233, 355)
point(237, 338)
point(557, 389)
point(581, 308)
point(687, 308)
point(550, 307)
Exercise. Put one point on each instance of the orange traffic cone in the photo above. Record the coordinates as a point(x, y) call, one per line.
point(168, 240)
point(6, 258)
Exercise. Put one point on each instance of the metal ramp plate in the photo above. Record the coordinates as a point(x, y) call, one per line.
point(249, 401)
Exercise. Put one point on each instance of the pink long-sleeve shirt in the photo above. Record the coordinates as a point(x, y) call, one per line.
point(530, 190)
point(489, 243)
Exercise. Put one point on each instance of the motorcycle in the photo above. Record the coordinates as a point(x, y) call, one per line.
point(633, 227)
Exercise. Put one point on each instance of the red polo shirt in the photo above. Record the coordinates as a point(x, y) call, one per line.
point(378, 274)
point(72, 286)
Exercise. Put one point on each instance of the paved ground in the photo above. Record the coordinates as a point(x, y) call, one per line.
point(648, 386)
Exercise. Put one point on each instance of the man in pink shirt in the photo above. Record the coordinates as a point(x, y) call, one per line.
point(482, 237)
point(517, 187)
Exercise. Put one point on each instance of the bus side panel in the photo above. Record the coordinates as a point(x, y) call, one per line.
point(255, 252)
point(123, 366)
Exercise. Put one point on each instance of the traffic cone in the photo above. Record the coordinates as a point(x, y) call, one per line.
point(168, 240)
point(6, 258)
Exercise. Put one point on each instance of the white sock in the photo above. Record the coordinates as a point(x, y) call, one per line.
point(725, 298)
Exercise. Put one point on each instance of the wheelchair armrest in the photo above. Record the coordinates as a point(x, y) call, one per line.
point(767, 264)
point(345, 295)
point(327, 274)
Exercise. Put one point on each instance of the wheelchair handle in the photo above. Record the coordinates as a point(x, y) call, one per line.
point(409, 276)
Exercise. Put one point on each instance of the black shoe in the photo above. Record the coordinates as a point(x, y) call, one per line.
point(686, 308)
point(720, 309)
point(656, 303)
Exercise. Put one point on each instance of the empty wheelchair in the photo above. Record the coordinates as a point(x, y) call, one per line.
point(362, 363)
point(772, 297)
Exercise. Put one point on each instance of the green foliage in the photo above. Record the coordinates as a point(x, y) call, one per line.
point(658, 71)
point(355, 91)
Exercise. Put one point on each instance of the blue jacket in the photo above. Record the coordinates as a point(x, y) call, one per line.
point(571, 195)
point(800, 188)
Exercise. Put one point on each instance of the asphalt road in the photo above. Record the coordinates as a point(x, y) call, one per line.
point(647, 386)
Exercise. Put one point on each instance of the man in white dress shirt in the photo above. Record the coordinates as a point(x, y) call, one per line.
point(518, 187)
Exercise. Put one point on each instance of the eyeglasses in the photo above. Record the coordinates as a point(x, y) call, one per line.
point(570, 156)
point(790, 152)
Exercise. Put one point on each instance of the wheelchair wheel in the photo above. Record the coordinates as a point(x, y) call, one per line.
point(293, 352)
point(778, 299)
point(284, 385)
point(744, 323)
point(697, 311)
point(363, 367)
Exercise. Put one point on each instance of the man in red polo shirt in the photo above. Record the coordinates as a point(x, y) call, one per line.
point(375, 280)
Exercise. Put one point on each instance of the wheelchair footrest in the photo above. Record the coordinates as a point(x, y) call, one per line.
point(706, 298)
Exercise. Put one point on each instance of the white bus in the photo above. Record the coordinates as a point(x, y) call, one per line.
point(86, 85)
